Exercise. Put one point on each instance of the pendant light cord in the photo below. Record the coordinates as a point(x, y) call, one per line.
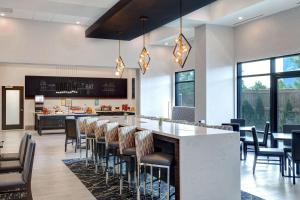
point(119, 48)
point(143, 27)
point(180, 15)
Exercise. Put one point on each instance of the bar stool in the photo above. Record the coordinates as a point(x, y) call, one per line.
point(100, 142)
point(111, 145)
point(90, 137)
point(81, 123)
point(147, 157)
point(127, 152)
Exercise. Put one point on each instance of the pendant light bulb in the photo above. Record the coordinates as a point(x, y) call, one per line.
point(182, 46)
point(120, 66)
point(144, 58)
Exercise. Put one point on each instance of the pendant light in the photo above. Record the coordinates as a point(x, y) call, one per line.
point(120, 66)
point(144, 58)
point(182, 48)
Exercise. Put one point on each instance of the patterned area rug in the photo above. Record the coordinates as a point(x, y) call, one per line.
point(95, 183)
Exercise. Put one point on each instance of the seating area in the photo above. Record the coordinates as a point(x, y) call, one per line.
point(16, 170)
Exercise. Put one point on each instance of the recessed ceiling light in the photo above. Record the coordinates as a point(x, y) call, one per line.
point(166, 43)
point(2, 14)
point(78, 22)
point(240, 18)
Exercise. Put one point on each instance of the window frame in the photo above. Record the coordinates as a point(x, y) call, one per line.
point(274, 76)
point(178, 82)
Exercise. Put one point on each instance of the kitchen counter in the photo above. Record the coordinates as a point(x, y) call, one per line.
point(207, 161)
point(54, 121)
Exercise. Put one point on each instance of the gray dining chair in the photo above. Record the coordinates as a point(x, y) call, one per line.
point(294, 155)
point(20, 182)
point(16, 165)
point(22, 148)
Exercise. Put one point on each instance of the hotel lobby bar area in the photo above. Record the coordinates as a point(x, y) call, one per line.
point(150, 99)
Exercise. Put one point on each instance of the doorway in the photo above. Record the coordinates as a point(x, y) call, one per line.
point(12, 107)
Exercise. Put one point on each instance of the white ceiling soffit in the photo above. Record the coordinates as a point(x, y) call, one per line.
point(227, 13)
point(252, 12)
point(64, 11)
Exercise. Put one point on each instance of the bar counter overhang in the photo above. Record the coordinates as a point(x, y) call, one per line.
point(207, 161)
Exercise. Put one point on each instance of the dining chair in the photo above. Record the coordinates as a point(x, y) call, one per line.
point(287, 145)
point(235, 126)
point(16, 165)
point(22, 148)
point(241, 122)
point(289, 128)
point(263, 142)
point(20, 182)
point(71, 132)
point(266, 152)
point(294, 155)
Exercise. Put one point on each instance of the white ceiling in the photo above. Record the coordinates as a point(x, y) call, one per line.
point(64, 11)
point(227, 13)
point(222, 12)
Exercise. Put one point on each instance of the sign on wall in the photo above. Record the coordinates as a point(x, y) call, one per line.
point(51, 86)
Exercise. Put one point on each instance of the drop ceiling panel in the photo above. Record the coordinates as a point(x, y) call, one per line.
point(124, 17)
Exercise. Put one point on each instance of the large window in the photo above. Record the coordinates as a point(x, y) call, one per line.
point(269, 90)
point(254, 88)
point(185, 88)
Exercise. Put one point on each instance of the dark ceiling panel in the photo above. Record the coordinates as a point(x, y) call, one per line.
point(124, 17)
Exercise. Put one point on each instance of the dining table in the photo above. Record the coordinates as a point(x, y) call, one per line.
point(280, 137)
point(246, 128)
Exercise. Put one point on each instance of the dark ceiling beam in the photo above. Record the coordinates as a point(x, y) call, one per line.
point(125, 17)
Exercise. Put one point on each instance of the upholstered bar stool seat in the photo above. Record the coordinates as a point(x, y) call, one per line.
point(157, 158)
point(130, 151)
point(113, 145)
point(10, 166)
point(11, 180)
point(9, 156)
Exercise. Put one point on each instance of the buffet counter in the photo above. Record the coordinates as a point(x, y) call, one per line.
point(54, 121)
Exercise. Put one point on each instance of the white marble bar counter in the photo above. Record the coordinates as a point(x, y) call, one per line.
point(208, 165)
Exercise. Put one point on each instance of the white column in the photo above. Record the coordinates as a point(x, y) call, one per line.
point(214, 66)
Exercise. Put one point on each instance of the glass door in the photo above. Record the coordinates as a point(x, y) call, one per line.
point(288, 101)
point(12, 107)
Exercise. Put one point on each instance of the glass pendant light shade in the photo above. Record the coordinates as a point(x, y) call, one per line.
point(182, 47)
point(144, 59)
point(181, 50)
point(120, 66)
